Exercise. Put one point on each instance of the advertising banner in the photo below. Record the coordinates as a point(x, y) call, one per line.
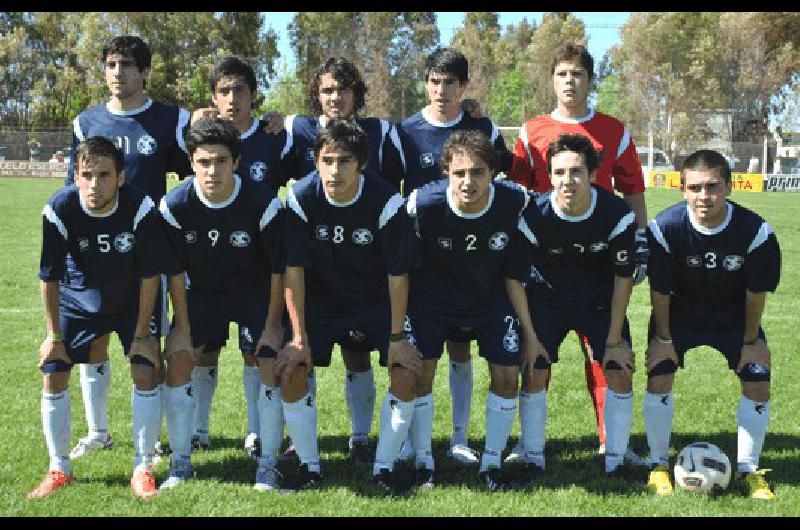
point(25, 168)
point(783, 183)
point(672, 180)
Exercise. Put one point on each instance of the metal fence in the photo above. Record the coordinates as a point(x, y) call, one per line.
point(34, 146)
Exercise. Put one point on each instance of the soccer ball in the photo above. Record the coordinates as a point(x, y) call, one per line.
point(702, 466)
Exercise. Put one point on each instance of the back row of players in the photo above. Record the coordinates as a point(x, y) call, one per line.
point(478, 242)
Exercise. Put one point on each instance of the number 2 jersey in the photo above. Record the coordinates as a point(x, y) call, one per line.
point(708, 271)
point(100, 259)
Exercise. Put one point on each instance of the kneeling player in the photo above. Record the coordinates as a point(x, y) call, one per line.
point(101, 259)
point(712, 264)
point(226, 234)
point(582, 257)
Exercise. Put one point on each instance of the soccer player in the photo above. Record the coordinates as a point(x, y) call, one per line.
point(712, 262)
point(582, 263)
point(149, 134)
point(470, 279)
point(349, 247)
point(234, 94)
point(423, 136)
point(102, 256)
point(572, 70)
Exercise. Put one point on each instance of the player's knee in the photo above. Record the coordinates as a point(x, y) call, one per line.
point(619, 381)
point(179, 368)
point(660, 384)
point(294, 385)
point(56, 380)
point(756, 391)
point(535, 380)
point(505, 381)
point(403, 383)
point(144, 376)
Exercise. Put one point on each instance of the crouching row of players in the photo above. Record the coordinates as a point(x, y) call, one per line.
point(358, 265)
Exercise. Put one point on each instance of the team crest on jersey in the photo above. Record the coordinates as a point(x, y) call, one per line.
point(600, 246)
point(356, 335)
point(732, 262)
point(362, 236)
point(240, 239)
point(310, 154)
point(190, 236)
point(323, 234)
point(124, 242)
point(426, 160)
point(511, 341)
point(694, 261)
point(83, 244)
point(146, 145)
point(258, 171)
point(445, 243)
point(555, 251)
point(498, 241)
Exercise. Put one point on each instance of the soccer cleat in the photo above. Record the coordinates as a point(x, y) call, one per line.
point(360, 453)
point(51, 482)
point(517, 454)
point(423, 478)
point(180, 470)
point(252, 446)
point(632, 458)
point(289, 456)
point(757, 485)
point(464, 455)
point(87, 444)
point(527, 475)
point(267, 477)
point(199, 445)
point(160, 452)
point(384, 480)
point(407, 452)
point(492, 480)
point(302, 480)
point(143, 484)
point(659, 482)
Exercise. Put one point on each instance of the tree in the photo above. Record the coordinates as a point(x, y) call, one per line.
point(476, 40)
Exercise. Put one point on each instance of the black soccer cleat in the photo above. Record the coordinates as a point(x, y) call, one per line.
point(493, 481)
point(423, 478)
point(360, 453)
point(302, 480)
point(385, 482)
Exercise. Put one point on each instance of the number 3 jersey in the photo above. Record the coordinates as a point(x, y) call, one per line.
point(230, 248)
point(347, 249)
point(574, 258)
point(99, 259)
point(708, 271)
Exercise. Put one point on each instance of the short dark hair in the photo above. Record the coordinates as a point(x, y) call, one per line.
point(576, 143)
point(231, 65)
point(213, 131)
point(99, 146)
point(346, 73)
point(447, 61)
point(568, 53)
point(707, 159)
point(345, 134)
point(129, 46)
point(474, 143)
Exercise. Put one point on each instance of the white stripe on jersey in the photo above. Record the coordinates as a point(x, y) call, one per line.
point(167, 215)
point(385, 127)
point(523, 136)
point(183, 121)
point(658, 235)
point(270, 213)
point(495, 132)
point(395, 138)
point(761, 237)
point(394, 203)
point(624, 223)
point(51, 216)
point(411, 205)
point(144, 209)
point(76, 130)
point(288, 122)
point(526, 230)
point(624, 143)
point(291, 202)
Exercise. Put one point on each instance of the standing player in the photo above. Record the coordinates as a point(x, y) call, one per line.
point(149, 134)
point(226, 234)
point(573, 70)
point(345, 234)
point(582, 240)
point(102, 252)
point(423, 136)
point(711, 266)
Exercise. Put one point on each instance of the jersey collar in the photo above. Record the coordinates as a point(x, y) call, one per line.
point(574, 218)
point(90, 213)
point(115, 112)
point(237, 185)
point(249, 132)
point(351, 201)
point(442, 124)
point(465, 215)
point(562, 119)
point(711, 231)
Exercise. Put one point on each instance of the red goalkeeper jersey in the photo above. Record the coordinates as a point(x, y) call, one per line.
point(619, 169)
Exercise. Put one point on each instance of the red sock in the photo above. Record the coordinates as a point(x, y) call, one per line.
point(596, 384)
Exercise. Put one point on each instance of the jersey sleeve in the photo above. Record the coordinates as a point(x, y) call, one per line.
point(77, 137)
point(178, 155)
point(627, 169)
point(621, 242)
point(176, 258)
point(659, 264)
point(397, 238)
point(392, 164)
point(151, 244)
point(518, 263)
point(521, 170)
point(52, 264)
point(297, 233)
point(763, 262)
point(271, 236)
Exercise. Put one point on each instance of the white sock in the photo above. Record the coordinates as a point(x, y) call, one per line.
point(500, 413)
point(95, 386)
point(301, 422)
point(461, 392)
point(420, 431)
point(251, 381)
point(312, 384)
point(180, 412)
point(618, 418)
point(396, 417)
point(658, 412)
point(270, 410)
point(56, 415)
point(359, 388)
point(204, 383)
point(146, 421)
point(533, 421)
point(752, 418)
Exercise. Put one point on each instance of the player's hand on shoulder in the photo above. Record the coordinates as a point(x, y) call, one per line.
point(272, 122)
point(756, 353)
point(471, 107)
point(52, 351)
point(403, 353)
point(642, 255)
point(622, 354)
point(178, 340)
point(146, 347)
point(295, 354)
point(204, 112)
point(659, 351)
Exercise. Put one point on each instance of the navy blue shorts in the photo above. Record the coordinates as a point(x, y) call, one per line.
point(496, 329)
point(209, 319)
point(552, 326)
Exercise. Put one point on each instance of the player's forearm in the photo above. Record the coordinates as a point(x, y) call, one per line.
point(148, 290)
point(660, 303)
point(519, 301)
point(398, 296)
point(275, 301)
point(639, 207)
point(295, 292)
point(50, 298)
point(177, 293)
point(619, 306)
point(754, 309)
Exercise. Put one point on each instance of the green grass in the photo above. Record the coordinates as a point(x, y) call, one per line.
point(706, 396)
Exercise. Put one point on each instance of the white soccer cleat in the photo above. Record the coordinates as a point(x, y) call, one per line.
point(87, 444)
point(407, 452)
point(464, 455)
point(267, 476)
point(180, 470)
point(517, 455)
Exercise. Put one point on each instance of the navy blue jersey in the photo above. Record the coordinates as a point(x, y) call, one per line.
point(422, 140)
point(466, 257)
point(384, 157)
point(99, 260)
point(227, 249)
point(150, 137)
point(708, 271)
point(261, 154)
point(574, 258)
point(347, 249)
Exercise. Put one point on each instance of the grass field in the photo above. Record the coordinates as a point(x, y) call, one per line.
point(706, 397)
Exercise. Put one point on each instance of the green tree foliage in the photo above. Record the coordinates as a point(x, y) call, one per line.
point(477, 40)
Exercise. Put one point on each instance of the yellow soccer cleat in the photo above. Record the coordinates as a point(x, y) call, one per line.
point(757, 485)
point(659, 482)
